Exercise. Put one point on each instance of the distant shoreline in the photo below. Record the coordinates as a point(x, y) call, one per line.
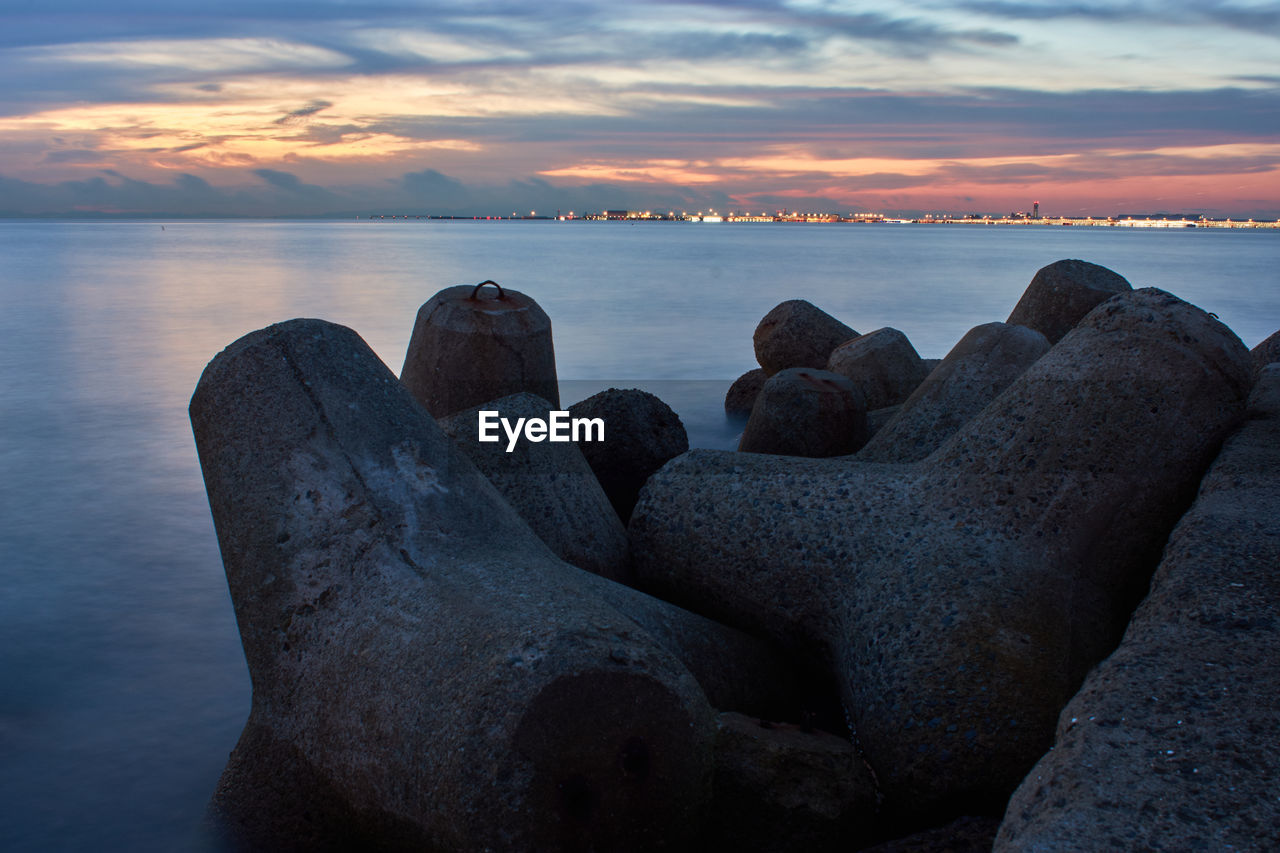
point(1142, 222)
point(861, 219)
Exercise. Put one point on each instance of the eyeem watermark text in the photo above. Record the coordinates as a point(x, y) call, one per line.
point(557, 427)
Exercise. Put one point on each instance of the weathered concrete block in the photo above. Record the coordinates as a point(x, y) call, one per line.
point(961, 600)
point(883, 365)
point(1267, 352)
point(1172, 739)
point(425, 671)
point(877, 419)
point(806, 412)
point(1062, 293)
point(780, 788)
point(641, 434)
point(550, 485)
point(797, 333)
point(984, 363)
point(741, 395)
point(471, 345)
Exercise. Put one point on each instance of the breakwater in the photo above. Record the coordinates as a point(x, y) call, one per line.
point(428, 670)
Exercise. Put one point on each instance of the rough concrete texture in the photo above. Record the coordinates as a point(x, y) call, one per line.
point(883, 365)
point(877, 419)
point(961, 600)
point(466, 350)
point(806, 412)
point(641, 433)
point(797, 333)
point(984, 363)
point(549, 484)
point(1267, 352)
point(1171, 742)
point(425, 671)
point(741, 395)
point(1062, 293)
point(781, 788)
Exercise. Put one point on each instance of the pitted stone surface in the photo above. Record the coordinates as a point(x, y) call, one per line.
point(883, 365)
point(806, 412)
point(797, 333)
point(467, 349)
point(415, 650)
point(1267, 352)
point(741, 395)
point(1062, 293)
point(877, 419)
point(641, 433)
point(549, 484)
point(1172, 739)
point(961, 600)
point(984, 363)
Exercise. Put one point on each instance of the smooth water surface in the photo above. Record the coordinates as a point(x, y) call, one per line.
point(124, 684)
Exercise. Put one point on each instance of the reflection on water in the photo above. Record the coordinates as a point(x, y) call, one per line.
point(124, 683)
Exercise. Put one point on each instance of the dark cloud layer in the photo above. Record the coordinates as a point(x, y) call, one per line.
point(985, 122)
point(430, 192)
point(300, 114)
point(285, 194)
point(1262, 19)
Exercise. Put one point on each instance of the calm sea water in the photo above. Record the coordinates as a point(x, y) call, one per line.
point(124, 686)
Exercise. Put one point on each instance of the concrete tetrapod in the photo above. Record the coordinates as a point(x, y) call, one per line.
point(470, 346)
point(1267, 352)
point(741, 395)
point(883, 365)
point(784, 788)
point(1062, 293)
point(425, 672)
point(961, 600)
point(797, 333)
point(985, 361)
point(550, 485)
point(1172, 739)
point(805, 412)
point(641, 433)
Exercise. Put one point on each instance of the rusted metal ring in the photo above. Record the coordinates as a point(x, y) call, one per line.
point(483, 283)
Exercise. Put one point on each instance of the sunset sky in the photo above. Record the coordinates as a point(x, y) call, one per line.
point(276, 107)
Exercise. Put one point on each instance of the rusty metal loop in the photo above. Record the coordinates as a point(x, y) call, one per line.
point(501, 295)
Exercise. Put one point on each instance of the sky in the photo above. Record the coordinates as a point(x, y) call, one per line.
point(480, 107)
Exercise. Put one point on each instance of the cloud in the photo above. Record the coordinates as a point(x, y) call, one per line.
point(841, 123)
point(440, 194)
point(74, 155)
point(290, 183)
point(496, 105)
point(910, 35)
point(193, 184)
point(294, 116)
point(1263, 19)
point(429, 191)
point(198, 56)
point(280, 193)
point(1051, 11)
point(430, 184)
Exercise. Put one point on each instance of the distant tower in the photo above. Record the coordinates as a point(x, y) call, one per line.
point(1035, 210)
